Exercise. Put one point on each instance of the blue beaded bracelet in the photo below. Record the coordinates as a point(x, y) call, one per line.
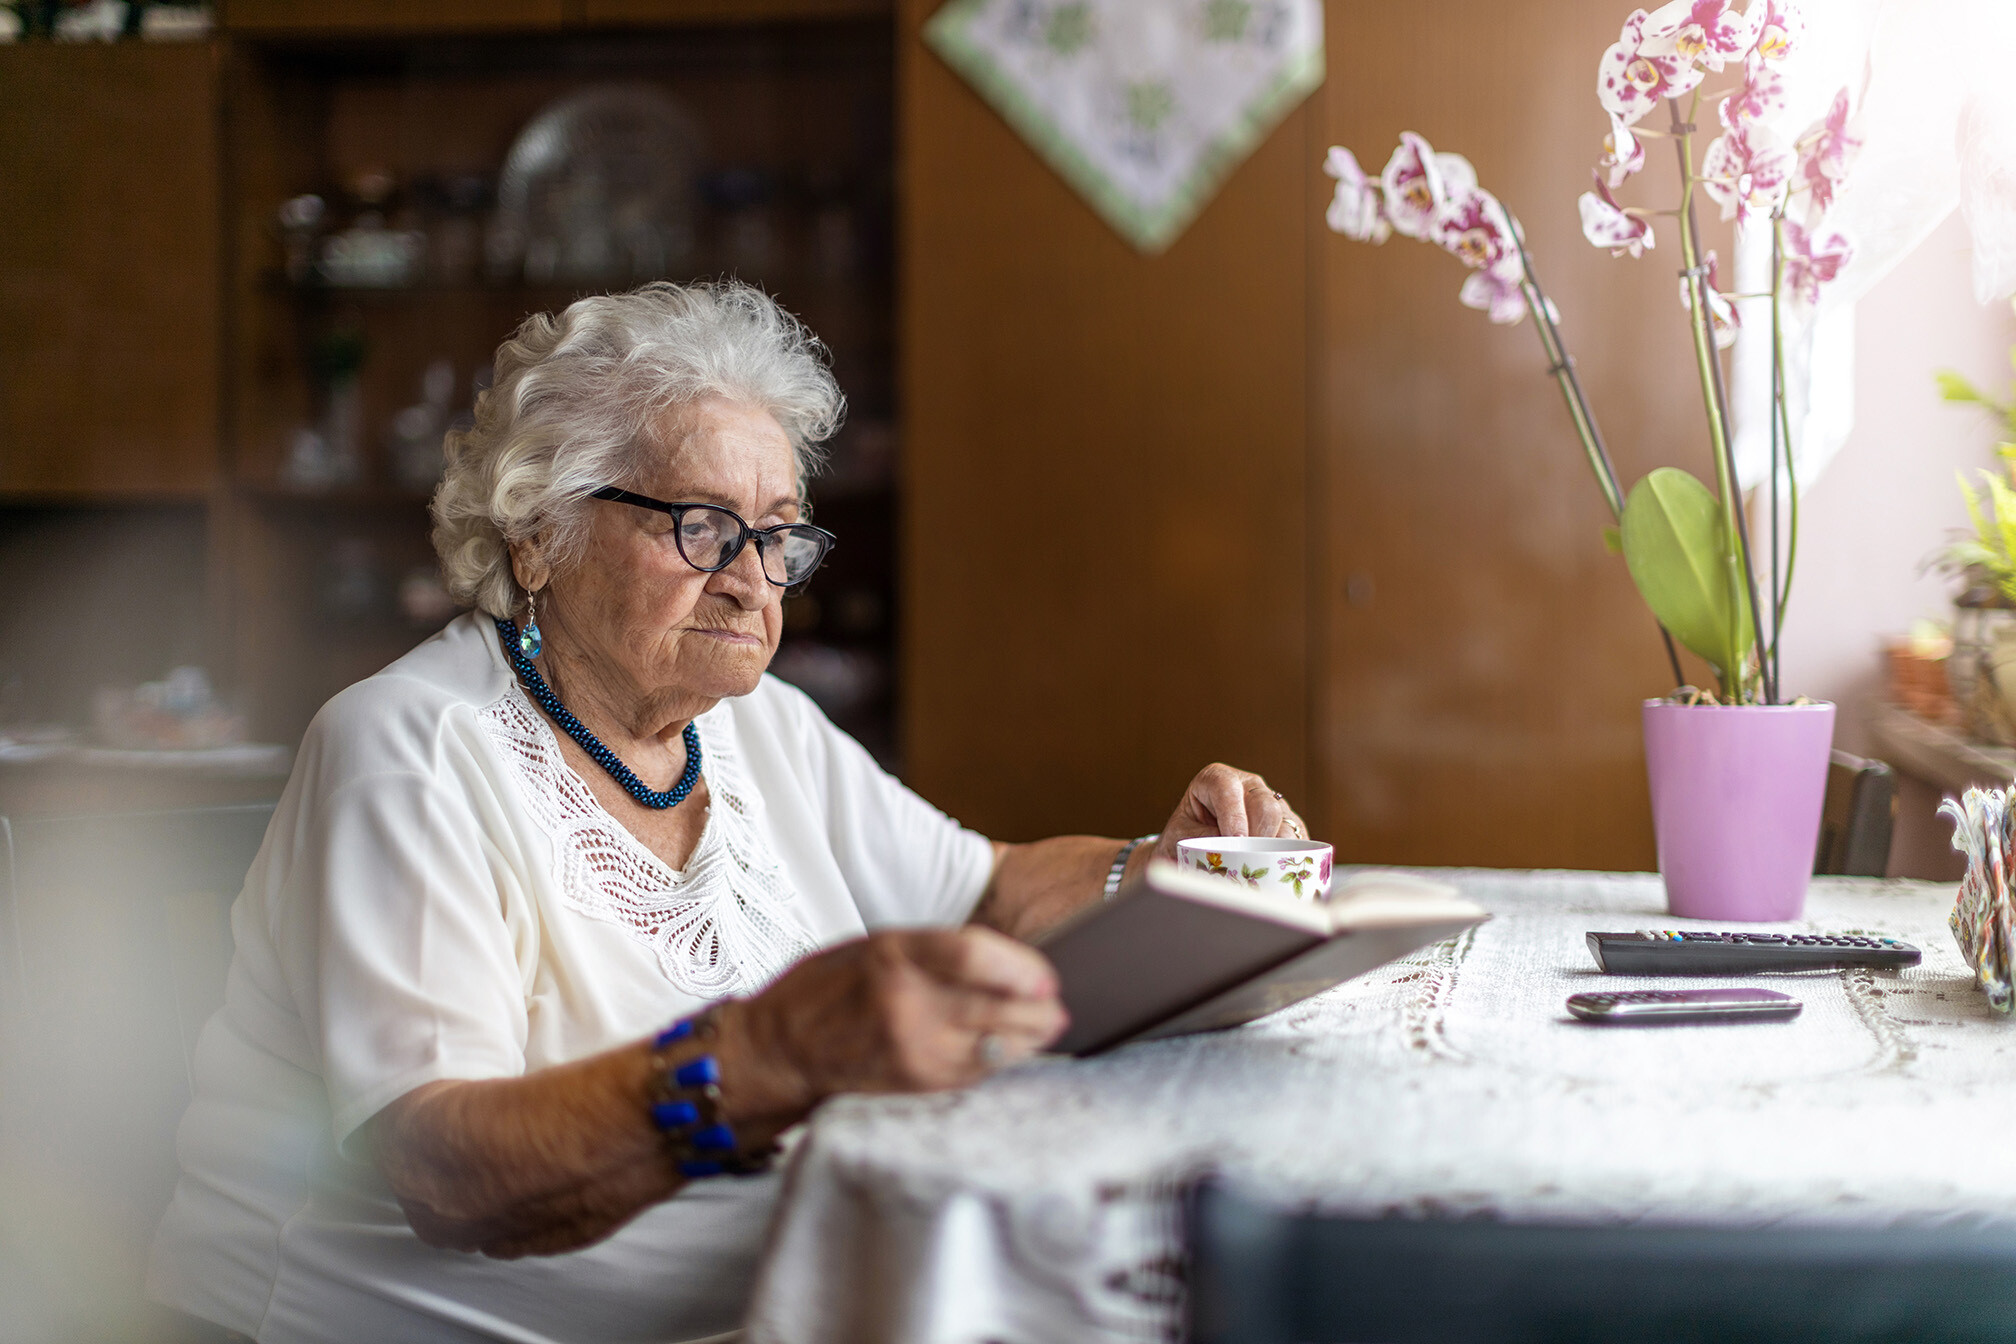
point(686, 1107)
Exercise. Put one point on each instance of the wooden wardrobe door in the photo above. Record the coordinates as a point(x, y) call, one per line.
point(1105, 531)
point(109, 280)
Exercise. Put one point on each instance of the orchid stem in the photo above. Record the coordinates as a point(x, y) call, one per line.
point(1782, 425)
point(1737, 556)
point(1563, 369)
point(1777, 400)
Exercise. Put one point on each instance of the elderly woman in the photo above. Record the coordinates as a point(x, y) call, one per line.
point(568, 914)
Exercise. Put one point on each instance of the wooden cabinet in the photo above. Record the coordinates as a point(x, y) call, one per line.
point(720, 11)
point(792, 125)
point(271, 18)
point(1107, 509)
point(378, 17)
point(110, 281)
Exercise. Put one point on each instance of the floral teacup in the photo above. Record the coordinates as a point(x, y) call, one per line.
point(1295, 868)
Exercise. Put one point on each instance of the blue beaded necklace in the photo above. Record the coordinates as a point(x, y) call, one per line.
point(542, 695)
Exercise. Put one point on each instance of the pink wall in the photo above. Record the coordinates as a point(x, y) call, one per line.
point(1888, 500)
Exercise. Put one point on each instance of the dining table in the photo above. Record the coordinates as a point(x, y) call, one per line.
point(1043, 1204)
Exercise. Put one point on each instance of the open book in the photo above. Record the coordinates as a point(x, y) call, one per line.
point(1177, 951)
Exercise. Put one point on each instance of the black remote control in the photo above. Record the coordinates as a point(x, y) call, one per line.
point(1647, 1007)
point(1673, 952)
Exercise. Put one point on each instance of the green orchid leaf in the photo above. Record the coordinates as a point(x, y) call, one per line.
point(1954, 387)
point(1676, 549)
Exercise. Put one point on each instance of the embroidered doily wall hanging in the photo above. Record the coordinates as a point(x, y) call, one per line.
point(1143, 106)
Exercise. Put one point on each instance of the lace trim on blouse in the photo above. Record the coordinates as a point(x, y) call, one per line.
point(726, 925)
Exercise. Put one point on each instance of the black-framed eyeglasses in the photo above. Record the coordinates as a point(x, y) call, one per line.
point(709, 538)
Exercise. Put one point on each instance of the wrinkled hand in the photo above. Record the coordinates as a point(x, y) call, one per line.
point(1225, 801)
point(900, 1011)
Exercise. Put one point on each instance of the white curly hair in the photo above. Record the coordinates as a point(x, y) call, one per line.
point(573, 404)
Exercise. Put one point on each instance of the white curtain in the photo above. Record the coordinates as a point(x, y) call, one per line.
point(1935, 84)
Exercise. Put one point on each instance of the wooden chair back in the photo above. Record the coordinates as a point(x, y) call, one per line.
point(1856, 819)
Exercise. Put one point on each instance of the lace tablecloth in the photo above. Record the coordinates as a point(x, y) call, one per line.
point(1041, 1206)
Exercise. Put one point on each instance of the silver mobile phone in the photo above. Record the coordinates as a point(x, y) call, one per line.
point(1657, 1006)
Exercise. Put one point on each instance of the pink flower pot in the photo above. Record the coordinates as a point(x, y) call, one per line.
point(1736, 795)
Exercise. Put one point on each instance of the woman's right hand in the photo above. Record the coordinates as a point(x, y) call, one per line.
point(908, 1010)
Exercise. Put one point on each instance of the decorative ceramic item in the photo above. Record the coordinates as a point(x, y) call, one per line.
point(1285, 866)
point(598, 188)
point(1982, 921)
point(1143, 106)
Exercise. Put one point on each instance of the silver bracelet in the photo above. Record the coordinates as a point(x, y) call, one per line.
point(1119, 868)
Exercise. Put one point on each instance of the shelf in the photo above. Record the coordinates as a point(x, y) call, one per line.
point(342, 497)
point(560, 293)
point(1939, 754)
point(288, 19)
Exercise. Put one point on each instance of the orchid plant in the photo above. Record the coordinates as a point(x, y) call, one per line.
point(1688, 549)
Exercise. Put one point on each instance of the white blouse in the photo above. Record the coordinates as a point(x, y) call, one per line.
point(440, 896)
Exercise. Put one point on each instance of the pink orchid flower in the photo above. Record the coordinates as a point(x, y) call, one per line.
point(1779, 31)
point(1709, 32)
point(1747, 169)
point(1812, 261)
point(1623, 154)
point(1418, 182)
point(1633, 76)
point(1722, 314)
point(1760, 96)
point(1473, 227)
point(1824, 153)
point(1357, 210)
point(1495, 291)
point(1608, 224)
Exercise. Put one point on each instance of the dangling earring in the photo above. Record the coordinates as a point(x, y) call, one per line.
point(529, 641)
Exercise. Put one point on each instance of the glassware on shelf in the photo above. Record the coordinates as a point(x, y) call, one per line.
point(330, 453)
point(180, 711)
point(597, 189)
point(455, 227)
point(368, 254)
point(836, 230)
point(744, 202)
point(863, 458)
point(413, 444)
point(301, 220)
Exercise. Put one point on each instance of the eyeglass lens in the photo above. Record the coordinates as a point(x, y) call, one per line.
point(711, 538)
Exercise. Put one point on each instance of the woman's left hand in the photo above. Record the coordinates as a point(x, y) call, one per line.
point(1225, 801)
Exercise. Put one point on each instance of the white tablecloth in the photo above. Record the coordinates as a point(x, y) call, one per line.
point(1041, 1206)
